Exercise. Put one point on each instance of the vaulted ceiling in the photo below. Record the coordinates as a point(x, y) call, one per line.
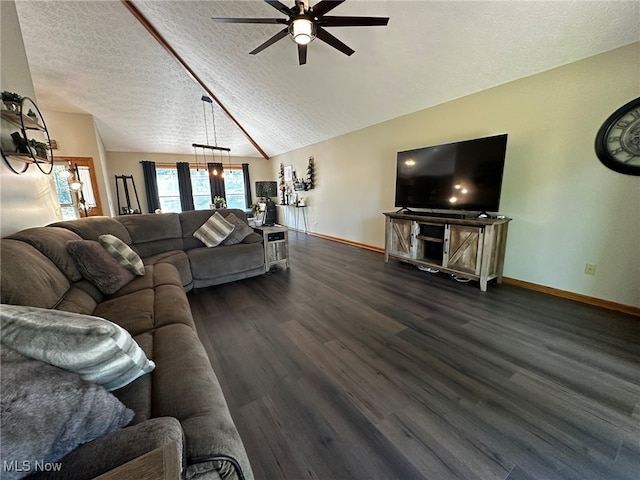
point(95, 57)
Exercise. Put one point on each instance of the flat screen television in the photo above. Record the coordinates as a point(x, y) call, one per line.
point(464, 175)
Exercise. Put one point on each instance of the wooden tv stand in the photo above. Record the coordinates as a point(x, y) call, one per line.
point(471, 248)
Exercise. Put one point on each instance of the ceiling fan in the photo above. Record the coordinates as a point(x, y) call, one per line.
point(305, 23)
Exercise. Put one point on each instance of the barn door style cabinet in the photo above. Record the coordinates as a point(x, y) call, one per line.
point(470, 248)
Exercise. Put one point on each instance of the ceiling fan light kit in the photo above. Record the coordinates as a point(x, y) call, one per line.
point(305, 23)
point(302, 31)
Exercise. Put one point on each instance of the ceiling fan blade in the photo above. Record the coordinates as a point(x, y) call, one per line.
point(352, 21)
point(325, 6)
point(280, 7)
point(278, 36)
point(250, 20)
point(326, 37)
point(302, 54)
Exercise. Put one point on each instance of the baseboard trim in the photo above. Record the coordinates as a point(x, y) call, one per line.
point(346, 242)
point(578, 297)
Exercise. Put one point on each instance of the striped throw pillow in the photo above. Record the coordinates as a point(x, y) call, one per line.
point(98, 350)
point(123, 253)
point(214, 230)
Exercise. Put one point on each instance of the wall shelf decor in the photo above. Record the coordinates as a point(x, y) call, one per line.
point(31, 142)
point(310, 182)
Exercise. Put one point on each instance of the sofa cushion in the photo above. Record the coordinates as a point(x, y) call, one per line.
point(52, 242)
point(90, 228)
point(137, 395)
point(209, 263)
point(193, 219)
point(214, 230)
point(82, 297)
point(152, 233)
point(196, 399)
point(177, 258)
point(97, 266)
point(123, 253)
point(28, 277)
point(242, 230)
point(98, 350)
point(148, 302)
point(47, 412)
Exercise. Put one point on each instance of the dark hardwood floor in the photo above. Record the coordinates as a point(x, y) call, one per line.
point(343, 367)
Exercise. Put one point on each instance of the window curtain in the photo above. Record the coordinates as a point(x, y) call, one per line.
point(247, 185)
point(216, 181)
point(151, 185)
point(184, 185)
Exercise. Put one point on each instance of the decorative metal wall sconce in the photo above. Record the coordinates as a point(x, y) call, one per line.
point(31, 143)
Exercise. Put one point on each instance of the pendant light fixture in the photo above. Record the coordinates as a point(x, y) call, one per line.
point(206, 146)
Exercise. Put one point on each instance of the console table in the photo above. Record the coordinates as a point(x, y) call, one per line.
point(296, 215)
point(472, 248)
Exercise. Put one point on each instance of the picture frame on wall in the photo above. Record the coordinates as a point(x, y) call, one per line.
point(288, 173)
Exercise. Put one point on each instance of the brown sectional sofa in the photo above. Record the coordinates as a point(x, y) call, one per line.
point(181, 401)
point(168, 238)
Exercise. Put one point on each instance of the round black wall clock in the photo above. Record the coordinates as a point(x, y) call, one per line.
point(618, 140)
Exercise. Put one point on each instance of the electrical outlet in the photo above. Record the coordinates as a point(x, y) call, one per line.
point(590, 269)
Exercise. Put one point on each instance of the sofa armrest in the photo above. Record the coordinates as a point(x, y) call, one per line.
point(110, 451)
point(253, 238)
point(162, 463)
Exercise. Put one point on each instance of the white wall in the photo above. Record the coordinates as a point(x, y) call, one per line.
point(567, 208)
point(29, 199)
point(76, 136)
point(128, 163)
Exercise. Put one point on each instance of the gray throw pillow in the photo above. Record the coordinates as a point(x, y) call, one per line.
point(98, 350)
point(123, 253)
point(239, 233)
point(47, 412)
point(97, 266)
point(214, 230)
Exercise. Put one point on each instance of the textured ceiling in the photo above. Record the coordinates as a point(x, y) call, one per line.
point(95, 57)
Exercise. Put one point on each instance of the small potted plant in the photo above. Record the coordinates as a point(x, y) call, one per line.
point(219, 202)
point(40, 148)
point(255, 209)
point(11, 100)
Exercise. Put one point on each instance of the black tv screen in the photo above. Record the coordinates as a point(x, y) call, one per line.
point(464, 175)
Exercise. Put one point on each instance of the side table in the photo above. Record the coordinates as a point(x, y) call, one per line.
point(276, 245)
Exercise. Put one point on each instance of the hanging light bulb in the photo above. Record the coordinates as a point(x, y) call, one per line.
point(65, 174)
point(75, 186)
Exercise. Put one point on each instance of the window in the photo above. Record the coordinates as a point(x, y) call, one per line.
point(201, 188)
point(169, 191)
point(234, 188)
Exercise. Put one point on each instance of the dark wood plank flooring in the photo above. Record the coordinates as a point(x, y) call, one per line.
point(343, 367)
